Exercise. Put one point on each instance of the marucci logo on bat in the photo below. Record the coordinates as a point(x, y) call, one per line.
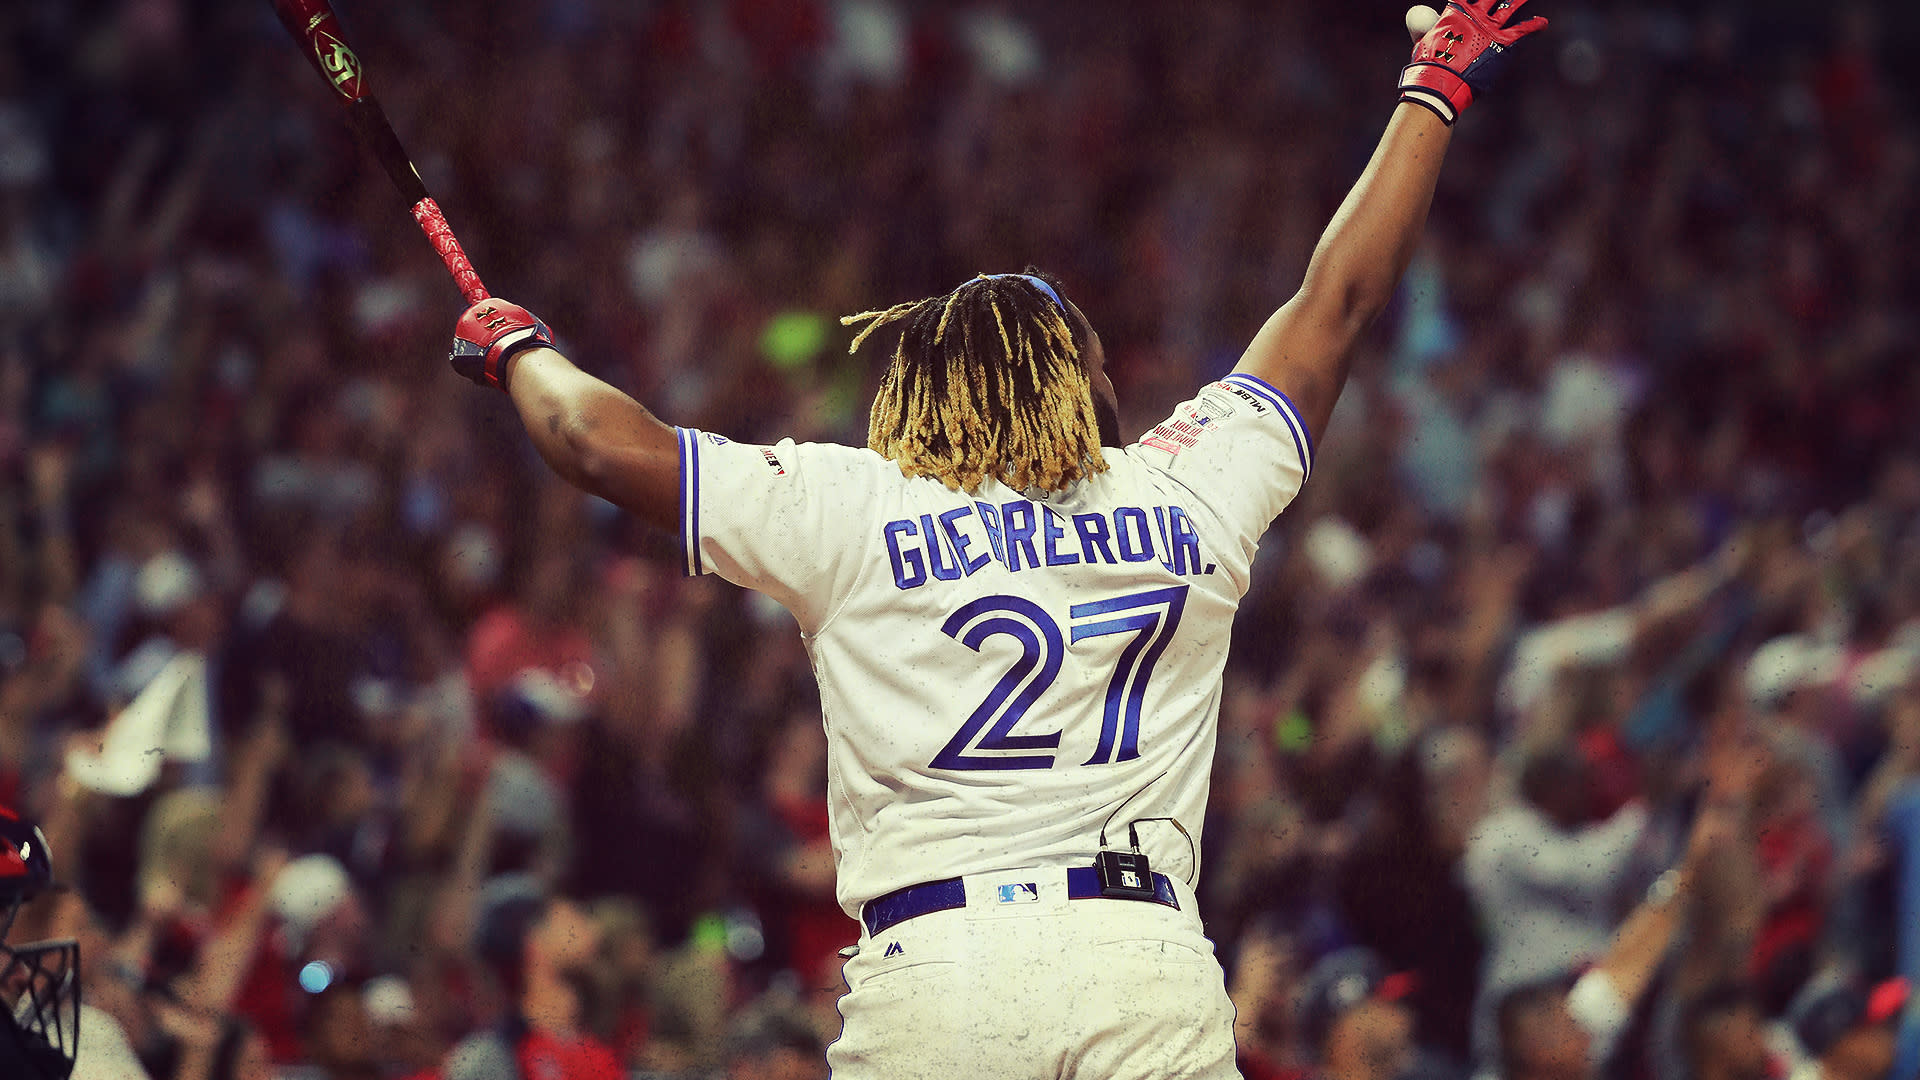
point(338, 62)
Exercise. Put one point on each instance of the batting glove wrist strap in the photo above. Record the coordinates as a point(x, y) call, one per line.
point(1456, 59)
point(489, 334)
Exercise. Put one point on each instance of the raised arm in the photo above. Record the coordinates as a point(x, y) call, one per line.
point(1304, 350)
point(1605, 999)
point(1640, 945)
point(597, 438)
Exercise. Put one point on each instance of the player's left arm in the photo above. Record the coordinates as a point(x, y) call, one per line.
point(597, 438)
point(1305, 348)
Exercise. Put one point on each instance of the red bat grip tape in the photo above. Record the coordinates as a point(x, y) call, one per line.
point(434, 224)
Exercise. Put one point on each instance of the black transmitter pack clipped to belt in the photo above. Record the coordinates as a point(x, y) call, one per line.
point(1124, 875)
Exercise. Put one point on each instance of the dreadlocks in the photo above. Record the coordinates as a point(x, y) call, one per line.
point(986, 383)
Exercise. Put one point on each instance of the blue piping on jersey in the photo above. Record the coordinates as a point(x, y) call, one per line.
point(690, 499)
point(1302, 437)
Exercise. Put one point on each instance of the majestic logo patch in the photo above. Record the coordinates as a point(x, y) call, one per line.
point(1020, 892)
point(893, 949)
point(717, 440)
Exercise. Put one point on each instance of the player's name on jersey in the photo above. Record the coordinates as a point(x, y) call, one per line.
point(1024, 535)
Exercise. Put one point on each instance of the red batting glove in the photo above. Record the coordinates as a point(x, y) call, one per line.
point(488, 335)
point(1454, 61)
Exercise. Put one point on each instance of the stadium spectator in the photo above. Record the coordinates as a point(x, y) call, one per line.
point(1544, 876)
point(1567, 1028)
point(1724, 1036)
point(774, 1046)
point(1355, 1017)
point(1846, 1032)
point(536, 946)
point(1264, 987)
point(1625, 481)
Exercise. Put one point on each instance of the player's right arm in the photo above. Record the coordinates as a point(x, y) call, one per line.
point(785, 519)
point(597, 438)
point(1304, 350)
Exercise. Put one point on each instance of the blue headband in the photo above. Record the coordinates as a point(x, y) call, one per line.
point(1038, 283)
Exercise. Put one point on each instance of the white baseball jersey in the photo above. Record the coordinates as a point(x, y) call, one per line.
point(1003, 675)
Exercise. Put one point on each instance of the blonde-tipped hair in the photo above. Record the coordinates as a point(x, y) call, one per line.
point(986, 383)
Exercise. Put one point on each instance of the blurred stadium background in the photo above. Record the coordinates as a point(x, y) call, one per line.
point(1625, 491)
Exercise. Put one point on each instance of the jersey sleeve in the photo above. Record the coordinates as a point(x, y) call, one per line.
point(1240, 446)
point(784, 519)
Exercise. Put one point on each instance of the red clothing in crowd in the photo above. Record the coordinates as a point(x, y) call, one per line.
point(1255, 1066)
point(545, 1056)
point(817, 928)
point(1795, 858)
point(506, 642)
point(537, 1055)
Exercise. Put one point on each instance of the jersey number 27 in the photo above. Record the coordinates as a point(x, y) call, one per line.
point(987, 739)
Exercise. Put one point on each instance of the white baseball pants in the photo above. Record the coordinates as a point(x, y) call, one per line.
point(1025, 984)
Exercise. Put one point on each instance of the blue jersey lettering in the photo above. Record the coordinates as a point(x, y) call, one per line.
point(936, 556)
point(990, 517)
point(1093, 536)
point(1186, 543)
point(909, 569)
point(1166, 540)
point(1023, 535)
point(960, 540)
point(1016, 522)
point(1050, 526)
point(1134, 535)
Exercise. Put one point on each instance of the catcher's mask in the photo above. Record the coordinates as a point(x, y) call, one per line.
point(40, 982)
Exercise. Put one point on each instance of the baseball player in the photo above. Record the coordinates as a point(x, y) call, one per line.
point(1018, 623)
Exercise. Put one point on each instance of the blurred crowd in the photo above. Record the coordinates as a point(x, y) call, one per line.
point(1573, 723)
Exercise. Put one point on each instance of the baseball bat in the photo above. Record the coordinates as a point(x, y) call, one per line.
point(314, 27)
